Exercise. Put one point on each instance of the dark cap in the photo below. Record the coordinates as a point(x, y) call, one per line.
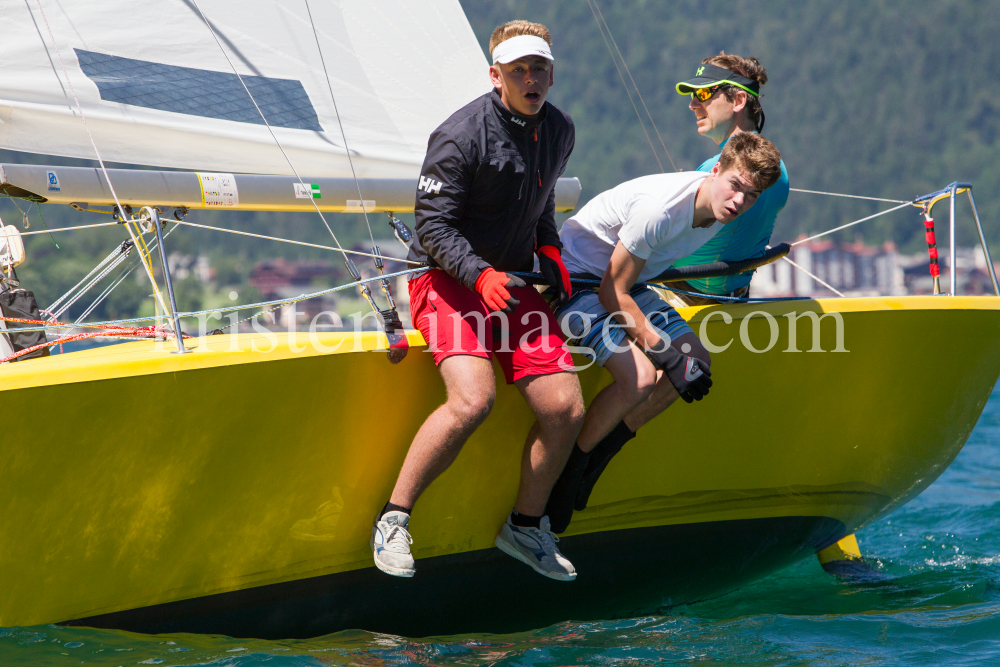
point(707, 76)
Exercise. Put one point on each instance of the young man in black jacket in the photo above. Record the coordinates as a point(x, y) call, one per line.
point(486, 205)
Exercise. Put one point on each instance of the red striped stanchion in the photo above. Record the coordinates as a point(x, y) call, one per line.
point(932, 250)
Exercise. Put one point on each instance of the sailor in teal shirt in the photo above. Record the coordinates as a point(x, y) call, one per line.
point(725, 100)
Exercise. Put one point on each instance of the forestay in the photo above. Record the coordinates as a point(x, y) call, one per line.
point(157, 90)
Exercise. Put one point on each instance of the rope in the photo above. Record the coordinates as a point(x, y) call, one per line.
point(302, 243)
point(637, 91)
point(111, 332)
point(838, 194)
point(851, 224)
point(140, 243)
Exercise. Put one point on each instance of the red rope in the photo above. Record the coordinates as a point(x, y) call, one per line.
point(110, 331)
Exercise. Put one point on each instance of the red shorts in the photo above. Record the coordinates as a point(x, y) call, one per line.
point(455, 320)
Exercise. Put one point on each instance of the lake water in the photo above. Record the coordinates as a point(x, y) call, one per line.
point(940, 604)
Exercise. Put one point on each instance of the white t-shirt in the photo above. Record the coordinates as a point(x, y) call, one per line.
point(652, 216)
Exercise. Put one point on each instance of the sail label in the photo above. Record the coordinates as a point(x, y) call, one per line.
point(218, 191)
point(354, 206)
point(307, 191)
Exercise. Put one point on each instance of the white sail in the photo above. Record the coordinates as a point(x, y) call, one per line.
point(157, 89)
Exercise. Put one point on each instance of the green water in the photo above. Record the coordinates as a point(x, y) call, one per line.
point(940, 604)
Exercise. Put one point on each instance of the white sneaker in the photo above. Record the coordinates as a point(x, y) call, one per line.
point(537, 548)
point(391, 544)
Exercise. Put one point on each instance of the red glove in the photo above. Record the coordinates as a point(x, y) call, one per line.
point(493, 286)
point(555, 272)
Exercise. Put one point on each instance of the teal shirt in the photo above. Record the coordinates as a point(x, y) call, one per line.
point(743, 238)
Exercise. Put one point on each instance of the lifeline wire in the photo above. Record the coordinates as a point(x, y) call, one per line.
point(303, 243)
point(637, 91)
point(227, 309)
point(140, 243)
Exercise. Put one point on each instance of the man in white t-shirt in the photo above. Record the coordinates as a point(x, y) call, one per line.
point(631, 234)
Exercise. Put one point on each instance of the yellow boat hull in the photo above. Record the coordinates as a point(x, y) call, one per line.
point(232, 490)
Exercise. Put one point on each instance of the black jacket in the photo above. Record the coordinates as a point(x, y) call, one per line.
point(486, 192)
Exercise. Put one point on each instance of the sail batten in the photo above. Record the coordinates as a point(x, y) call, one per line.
point(161, 93)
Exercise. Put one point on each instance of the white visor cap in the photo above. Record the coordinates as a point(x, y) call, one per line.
point(518, 47)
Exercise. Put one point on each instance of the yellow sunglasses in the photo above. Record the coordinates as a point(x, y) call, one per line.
point(705, 94)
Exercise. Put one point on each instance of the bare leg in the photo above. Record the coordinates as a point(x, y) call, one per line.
point(664, 394)
point(471, 388)
point(557, 403)
point(635, 378)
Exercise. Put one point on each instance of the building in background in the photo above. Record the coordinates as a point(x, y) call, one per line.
point(282, 279)
point(857, 269)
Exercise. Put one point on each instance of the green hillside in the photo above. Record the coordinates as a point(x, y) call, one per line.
point(878, 98)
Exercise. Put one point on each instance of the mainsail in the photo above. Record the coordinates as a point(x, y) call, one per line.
point(157, 90)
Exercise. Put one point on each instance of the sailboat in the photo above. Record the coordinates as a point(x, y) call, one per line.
point(230, 489)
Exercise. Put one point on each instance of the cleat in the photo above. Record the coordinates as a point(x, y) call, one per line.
point(536, 547)
point(390, 544)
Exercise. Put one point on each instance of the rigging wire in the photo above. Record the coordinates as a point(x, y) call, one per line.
point(302, 243)
point(838, 194)
point(139, 242)
point(114, 258)
point(810, 274)
point(627, 91)
point(390, 318)
point(637, 91)
point(599, 17)
point(119, 280)
point(851, 224)
point(351, 267)
point(267, 124)
point(68, 229)
point(336, 110)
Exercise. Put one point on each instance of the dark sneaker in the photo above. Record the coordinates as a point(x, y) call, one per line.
point(536, 547)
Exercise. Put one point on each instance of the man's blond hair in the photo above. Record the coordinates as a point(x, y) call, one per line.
point(516, 28)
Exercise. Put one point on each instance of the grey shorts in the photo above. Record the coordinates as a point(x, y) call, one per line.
point(588, 324)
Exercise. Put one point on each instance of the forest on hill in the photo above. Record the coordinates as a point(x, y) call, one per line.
point(877, 98)
point(882, 98)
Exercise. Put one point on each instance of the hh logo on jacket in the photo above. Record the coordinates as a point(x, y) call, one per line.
point(429, 185)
